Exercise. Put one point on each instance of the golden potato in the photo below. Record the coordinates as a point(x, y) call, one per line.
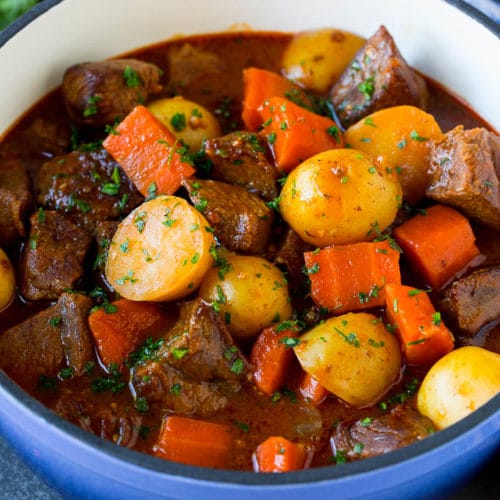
point(399, 139)
point(316, 59)
point(187, 120)
point(160, 251)
point(337, 196)
point(459, 383)
point(353, 356)
point(7, 280)
point(250, 293)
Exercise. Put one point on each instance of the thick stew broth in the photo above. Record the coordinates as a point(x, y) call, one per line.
point(104, 401)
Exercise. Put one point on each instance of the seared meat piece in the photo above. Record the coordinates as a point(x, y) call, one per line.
point(198, 367)
point(241, 220)
point(189, 64)
point(465, 171)
point(53, 339)
point(52, 137)
point(86, 186)
point(472, 302)
point(75, 335)
point(53, 258)
point(120, 425)
point(101, 93)
point(366, 438)
point(377, 78)
point(104, 232)
point(290, 253)
point(15, 200)
point(240, 158)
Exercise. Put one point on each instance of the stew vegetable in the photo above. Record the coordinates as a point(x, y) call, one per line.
point(254, 251)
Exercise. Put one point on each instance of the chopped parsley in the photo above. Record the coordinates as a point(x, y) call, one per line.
point(131, 77)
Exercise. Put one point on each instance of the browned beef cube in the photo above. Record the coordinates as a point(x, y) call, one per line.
point(119, 424)
point(240, 158)
point(366, 438)
point(53, 339)
point(290, 253)
point(465, 171)
point(86, 186)
point(15, 200)
point(100, 93)
point(198, 368)
point(104, 232)
point(53, 257)
point(377, 78)
point(472, 302)
point(241, 220)
point(75, 334)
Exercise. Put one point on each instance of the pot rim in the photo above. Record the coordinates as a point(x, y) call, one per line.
point(444, 438)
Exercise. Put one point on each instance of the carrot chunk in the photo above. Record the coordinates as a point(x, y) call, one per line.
point(120, 331)
point(295, 133)
point(272, 356)
point(259, 85)
point(193, 442)
point(352, 277)
point(423, 335)
point(148, 153)
point(311, 390)
point(277, 454)
point(438, 244)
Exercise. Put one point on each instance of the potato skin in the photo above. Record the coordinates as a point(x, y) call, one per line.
point(338, 196)
point(160, 251)
point(187, 120)
point(317, 58)
point(399, 137)
point(250, 295)
point(459, 383)
point(353, 356)
point(7, 281)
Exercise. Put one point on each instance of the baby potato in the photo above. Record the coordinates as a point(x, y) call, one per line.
point(353, 356)
point(338, 196)
point(7, 280)
point(459, 383)
point(316, 59)
point(187, 120)
point(399, 139)
point(160, 251)
point(249, 292)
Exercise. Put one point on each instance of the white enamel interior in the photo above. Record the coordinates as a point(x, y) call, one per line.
point(435, 37)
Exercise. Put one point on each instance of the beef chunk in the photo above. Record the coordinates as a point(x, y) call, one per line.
point(15, 200)
point(290, 253)
point(86, 186)
point(377, 78)
point(366, 438)
point(240, 158)
point(465, 171)
point(75, 335)
point(53, 258)
point(100, 93)
point(198, 367)
point(104, 232)
point(53, 339)
point(120, 425)
point(51, 137)
point(189, 64)
point(472, 302)
point(241, 220)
